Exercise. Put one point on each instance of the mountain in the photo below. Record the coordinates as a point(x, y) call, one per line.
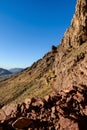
point(4, 72)
point(16, 70)
point(71, 60)
point(34, 80)
point(62, 67)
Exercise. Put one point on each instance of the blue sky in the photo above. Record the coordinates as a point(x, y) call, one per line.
point(28, 29)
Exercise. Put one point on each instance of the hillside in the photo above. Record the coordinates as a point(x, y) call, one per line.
point(33, 81)
point(63, 66)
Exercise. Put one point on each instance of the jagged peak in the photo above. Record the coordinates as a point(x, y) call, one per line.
point(80, 16)
point(77, 33)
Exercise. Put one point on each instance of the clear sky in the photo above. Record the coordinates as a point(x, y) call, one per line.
point(28, 29)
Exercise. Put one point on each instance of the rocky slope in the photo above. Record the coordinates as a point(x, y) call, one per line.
point(71, 59)
point(76, 35)
point(33, 81)
point(65, 111)
point(64, 66)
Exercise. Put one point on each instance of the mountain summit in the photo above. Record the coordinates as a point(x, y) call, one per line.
point(77, 33)
point(62, 67)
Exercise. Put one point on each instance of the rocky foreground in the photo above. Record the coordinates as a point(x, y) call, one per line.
point(66, 110)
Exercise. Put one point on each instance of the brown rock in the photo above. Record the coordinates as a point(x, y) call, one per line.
point(79, 97)
point(53, 48)
point(67, 124)
point(23, 108)
point(2, 115)
point(28, 101)
point(47, 98)
point(85, 110)
point(59, 110)
point(39, 103)
point(10, 109)
point(53, 109)
point(22, 122)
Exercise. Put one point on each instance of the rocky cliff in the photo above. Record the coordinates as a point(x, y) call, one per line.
point(71, 58)
point(76, 35)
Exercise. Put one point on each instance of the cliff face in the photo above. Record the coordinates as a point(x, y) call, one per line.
point(71, 59)
point(77, 33)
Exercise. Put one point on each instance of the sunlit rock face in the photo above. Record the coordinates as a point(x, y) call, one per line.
point(71, 58)
point(77, 33)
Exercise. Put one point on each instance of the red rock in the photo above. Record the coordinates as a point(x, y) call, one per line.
point(67, 124)
point(22, 122)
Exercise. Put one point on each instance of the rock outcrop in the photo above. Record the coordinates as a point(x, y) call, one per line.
point(77, 33)
point(65, 111)
point(71, 59)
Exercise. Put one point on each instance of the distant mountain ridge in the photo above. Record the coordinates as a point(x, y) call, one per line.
point(16, 70)
point(4, 72)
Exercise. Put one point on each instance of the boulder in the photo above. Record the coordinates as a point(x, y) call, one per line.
point(22, 123)
point(67, 124)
